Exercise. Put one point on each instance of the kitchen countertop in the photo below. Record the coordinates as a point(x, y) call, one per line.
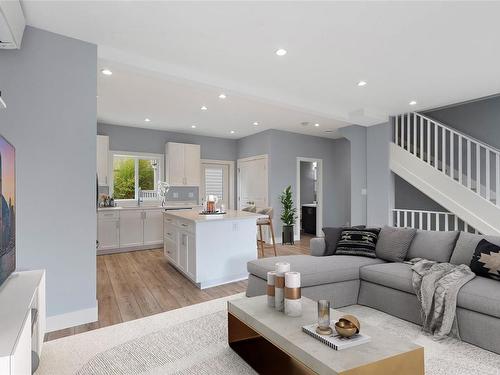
point(194, 215)
point(146, 207)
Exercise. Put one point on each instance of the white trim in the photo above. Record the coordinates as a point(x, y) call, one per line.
point(72, 319)
point(230, 163)
point(256, 157)
point(319, 192)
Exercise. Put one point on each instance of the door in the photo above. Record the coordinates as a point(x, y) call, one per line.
point(215, 180)
point(252, 182)
point(192, 163)
point(175, 164)
point(131, 228)
point(153, 227)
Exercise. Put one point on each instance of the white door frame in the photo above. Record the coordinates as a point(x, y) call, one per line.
point(319, 193)
point(230, 164)
point(256, 157)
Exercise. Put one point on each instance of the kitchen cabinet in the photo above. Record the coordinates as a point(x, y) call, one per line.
point(108, 230)
point(125, 229)
point(131, 228)
point(309, 219)
point(182, 164)
point(153, 226)
point(102, 160)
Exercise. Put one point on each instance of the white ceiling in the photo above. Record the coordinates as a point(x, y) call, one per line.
point(169, 58)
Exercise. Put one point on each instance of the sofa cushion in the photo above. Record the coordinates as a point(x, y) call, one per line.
point(393, 243)
point(486, 260)
point(432, 245)
point(393, 275)
point(332, 235)
point(358, 242)
point(466, 245)
point(481, 295)
point(314, 270)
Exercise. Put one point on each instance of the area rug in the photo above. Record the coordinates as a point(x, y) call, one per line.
point(193, 340)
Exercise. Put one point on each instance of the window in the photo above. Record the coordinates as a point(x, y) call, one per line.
point(132, 172)
point(216, 180)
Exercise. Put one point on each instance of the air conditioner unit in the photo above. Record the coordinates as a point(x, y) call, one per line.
point(12, 24)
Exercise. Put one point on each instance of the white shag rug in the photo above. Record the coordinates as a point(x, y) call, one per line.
point(193, 340)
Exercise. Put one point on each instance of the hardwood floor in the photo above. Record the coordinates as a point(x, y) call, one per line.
point(141, 283)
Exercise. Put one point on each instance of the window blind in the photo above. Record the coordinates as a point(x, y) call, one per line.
point(214, 182)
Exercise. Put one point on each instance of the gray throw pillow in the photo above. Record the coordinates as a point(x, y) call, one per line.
point(466, 245)
point(393, 243)
point(332, 235)
point(433, 245)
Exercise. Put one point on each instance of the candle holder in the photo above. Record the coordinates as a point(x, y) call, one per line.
point(279, 285)
point(324, 318)
point(271, 276)
point(293, 303)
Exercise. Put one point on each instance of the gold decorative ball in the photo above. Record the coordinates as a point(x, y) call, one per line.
point(352, 320)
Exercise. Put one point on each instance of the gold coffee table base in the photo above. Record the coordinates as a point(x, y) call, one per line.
point(266, 358)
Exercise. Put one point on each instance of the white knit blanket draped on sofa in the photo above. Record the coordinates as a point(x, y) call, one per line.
point(436, 286)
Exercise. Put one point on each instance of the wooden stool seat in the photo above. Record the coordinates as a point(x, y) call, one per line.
point(266, 221)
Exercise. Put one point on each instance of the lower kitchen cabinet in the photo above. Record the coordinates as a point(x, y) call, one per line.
point(129, 229)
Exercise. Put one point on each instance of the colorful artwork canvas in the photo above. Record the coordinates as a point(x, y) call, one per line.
point(8, 210)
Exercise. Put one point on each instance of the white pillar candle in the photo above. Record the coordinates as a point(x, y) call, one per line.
point(293, 299)
point(271, 275)
point(279, 285)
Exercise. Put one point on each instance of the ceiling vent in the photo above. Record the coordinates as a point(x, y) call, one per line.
point(12, 24)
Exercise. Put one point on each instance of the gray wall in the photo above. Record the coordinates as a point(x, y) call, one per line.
point(409, 197)
point(50, 89)
point(306, 182)
point(379, 181)
point(357, 137)
point(283, 148)
point(479, 119)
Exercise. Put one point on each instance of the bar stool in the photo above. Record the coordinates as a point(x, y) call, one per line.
point(266, 221)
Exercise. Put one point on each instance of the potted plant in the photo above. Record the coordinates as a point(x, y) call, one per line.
point(288, 216)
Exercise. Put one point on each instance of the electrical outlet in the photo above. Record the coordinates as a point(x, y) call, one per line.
point(191, 194)
point(363, 191)
point(175, 195)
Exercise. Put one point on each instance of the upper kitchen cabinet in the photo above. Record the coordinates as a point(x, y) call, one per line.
point(102, 160)
point(182, 164)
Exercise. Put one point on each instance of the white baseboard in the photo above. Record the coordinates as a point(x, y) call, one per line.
point(71, 319)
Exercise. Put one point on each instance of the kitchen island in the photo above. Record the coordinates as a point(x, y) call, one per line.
point(210, 250)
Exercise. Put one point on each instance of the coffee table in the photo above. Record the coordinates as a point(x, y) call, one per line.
point(273, 343)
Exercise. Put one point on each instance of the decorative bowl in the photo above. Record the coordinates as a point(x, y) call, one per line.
point(345, 328)
point(352, 320)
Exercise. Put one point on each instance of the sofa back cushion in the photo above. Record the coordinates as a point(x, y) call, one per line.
point(359, 242)
point(466, 245)
point(393, 243)
point(332, 235)
point(433, 245)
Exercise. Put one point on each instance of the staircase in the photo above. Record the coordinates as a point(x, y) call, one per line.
point(459, 172)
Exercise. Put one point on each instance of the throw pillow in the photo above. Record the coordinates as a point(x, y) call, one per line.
point(486, 260)
point(433, 245)
point(332, 235)
point(360, 242)
point(393, 243)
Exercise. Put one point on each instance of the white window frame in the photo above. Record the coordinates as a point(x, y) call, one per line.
point(137, 156)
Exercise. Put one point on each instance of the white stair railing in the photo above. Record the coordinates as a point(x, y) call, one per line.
point(429, 220)
point(467, 161)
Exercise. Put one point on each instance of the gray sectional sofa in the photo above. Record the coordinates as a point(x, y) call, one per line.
point(387, 286)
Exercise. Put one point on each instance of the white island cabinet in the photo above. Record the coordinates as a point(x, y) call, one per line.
point(210, 249)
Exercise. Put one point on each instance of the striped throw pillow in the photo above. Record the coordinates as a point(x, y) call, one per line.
point(359, 242)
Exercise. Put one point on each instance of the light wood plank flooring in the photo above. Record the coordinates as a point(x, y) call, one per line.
point(141, 283)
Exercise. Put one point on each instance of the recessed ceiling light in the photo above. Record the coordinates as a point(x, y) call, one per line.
point(193, 126)
point(256, 123)
point(232, 132)
point(413, 102)
point(281, 52)
point(204, 108)
point(362, 83)
point(106, 72)
point(222, 96)
point(147, 119)
point(316, 125)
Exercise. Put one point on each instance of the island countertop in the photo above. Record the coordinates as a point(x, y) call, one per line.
point(194, 215)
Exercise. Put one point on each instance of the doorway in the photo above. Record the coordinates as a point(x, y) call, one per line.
point(309, 196)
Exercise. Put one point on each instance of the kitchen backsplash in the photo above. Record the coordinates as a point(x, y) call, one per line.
point(182, 194)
